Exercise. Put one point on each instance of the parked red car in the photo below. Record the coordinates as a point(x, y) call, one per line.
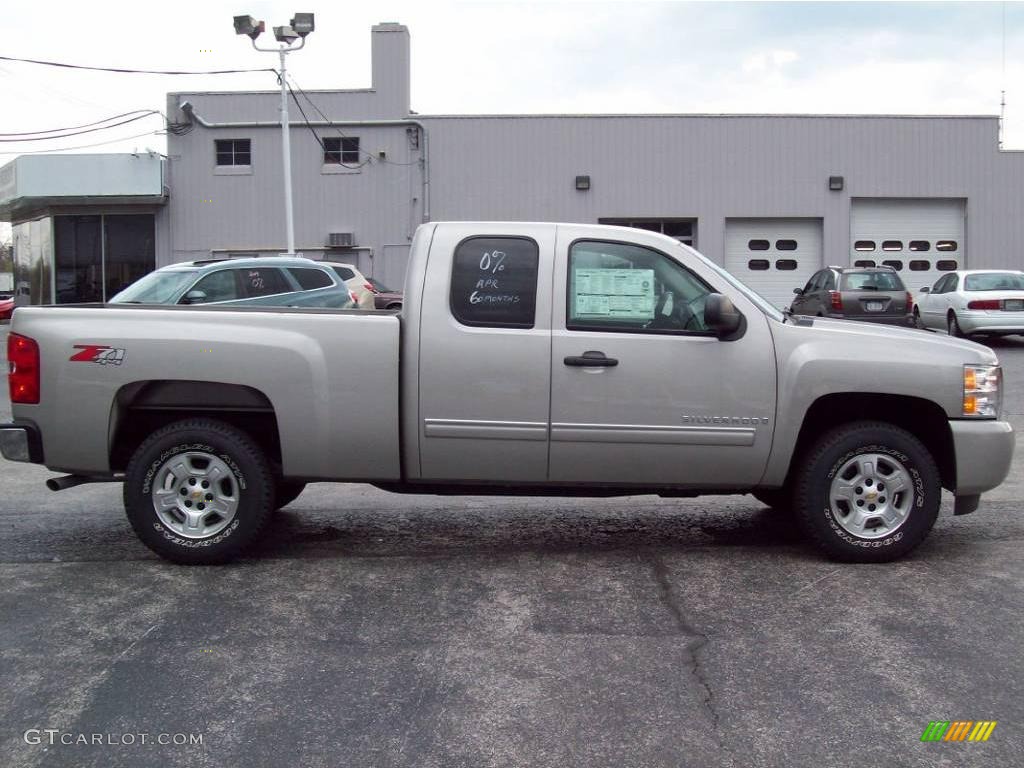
point(384, 297)
point(6, 307)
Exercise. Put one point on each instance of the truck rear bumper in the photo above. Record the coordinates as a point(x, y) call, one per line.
point(984, 450)
point(21, 442)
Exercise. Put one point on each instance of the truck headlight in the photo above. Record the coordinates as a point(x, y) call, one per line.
point(983, 391)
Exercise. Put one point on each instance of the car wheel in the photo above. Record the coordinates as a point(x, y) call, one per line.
point(396, 305)
point(287, 492)
point(867, 492)
point(779, 499)
point(198, 491)
point(953, 327)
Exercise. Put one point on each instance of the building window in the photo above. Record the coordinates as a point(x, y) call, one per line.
point(864, 245)
point(785, 245)
point(919, 265)
point(862, 263)
point(920, 245)
point(341, 150)
point(758, 265)
point(759, 245)
point(892, 245)
point(945, 265)
point(786, 265)
point(233, 151)
point(945, 245)
point(894, 263)
point(680, 229)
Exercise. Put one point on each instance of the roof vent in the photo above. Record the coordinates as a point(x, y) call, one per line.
point(341, 240)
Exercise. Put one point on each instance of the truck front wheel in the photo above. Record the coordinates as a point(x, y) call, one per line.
point(867, 492)
point(198, 491)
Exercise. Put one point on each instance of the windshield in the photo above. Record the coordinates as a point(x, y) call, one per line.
point(995, 281)
point(766, 306)
point(871, 281)
point(155, 288)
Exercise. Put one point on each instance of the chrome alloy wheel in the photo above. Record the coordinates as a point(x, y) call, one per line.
point(871, 495)
point(195, 494)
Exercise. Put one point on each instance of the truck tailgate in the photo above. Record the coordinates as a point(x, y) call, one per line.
point(331, 377)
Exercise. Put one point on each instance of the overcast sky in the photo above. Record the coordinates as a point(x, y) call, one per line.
point(540, 57)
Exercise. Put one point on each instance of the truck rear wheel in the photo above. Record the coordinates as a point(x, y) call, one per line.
point(198, 491)
point(867, 492)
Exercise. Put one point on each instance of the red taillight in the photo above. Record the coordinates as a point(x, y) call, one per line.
point(984, 304)
point(23, 357)
point(837, 300)
point(370, 288)
point(910, 303)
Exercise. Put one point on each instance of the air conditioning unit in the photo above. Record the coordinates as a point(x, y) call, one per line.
point(341, 239)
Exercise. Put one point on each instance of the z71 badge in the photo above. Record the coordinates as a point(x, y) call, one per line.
point(97, 353)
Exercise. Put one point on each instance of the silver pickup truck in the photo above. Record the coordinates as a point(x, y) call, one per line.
point(529, 359)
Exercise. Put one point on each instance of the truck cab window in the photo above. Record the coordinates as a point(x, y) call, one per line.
point(494, 282)
point(620, 287)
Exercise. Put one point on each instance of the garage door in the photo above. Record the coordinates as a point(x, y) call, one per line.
point(921, 238)
point(773, 256)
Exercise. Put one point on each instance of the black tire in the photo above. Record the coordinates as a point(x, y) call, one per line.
point(287, 492)
point(918, 323)
point(953, 327)
point(243, 477)
point(779, 499)
point(818, 470)
point(397, 305)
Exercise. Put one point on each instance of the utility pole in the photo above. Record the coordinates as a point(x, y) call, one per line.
point(301, 25)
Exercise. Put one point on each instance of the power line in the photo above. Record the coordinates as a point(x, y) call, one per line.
point(148, 113)
point(336, 128)
point(315, 136)
point(76, 127)
point(84, 146)
point(136, 71)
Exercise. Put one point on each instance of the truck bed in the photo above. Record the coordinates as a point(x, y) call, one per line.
point(330, 378)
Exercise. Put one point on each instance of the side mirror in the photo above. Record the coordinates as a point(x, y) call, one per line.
point(926, 289)
point(194, 297)
point(798, 291)
point(721, 316)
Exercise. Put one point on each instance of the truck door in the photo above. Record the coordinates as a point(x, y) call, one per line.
point(641, 392)
point(485, 353)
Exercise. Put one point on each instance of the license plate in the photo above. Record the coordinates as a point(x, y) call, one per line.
point(1013, 305)
point(874, 306)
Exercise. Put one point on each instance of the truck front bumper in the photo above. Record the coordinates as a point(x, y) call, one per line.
point(984, 450)
point(21, 442)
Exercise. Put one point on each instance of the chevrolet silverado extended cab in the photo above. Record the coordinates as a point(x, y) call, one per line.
point(555, 359)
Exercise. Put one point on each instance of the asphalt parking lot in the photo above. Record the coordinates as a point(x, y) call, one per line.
point(372, 629)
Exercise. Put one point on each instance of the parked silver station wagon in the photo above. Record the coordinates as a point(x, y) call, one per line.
point(269, 281)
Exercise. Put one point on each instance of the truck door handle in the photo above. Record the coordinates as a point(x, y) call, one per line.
point(591, 359)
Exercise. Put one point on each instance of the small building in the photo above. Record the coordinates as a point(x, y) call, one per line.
point(84, 226)
point(772, 197)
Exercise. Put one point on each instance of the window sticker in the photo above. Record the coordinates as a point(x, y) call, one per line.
point(627, 293)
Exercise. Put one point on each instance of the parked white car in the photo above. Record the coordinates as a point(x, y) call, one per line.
point(356, 282)
point(970, 301)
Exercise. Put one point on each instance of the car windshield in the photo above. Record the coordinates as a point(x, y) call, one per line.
point(994, 281)
point(871, 281)
point(155, 288)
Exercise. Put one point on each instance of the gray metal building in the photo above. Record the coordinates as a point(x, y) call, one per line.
point(773, 197)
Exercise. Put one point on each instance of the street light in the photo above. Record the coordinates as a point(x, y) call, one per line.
point(301, 25)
